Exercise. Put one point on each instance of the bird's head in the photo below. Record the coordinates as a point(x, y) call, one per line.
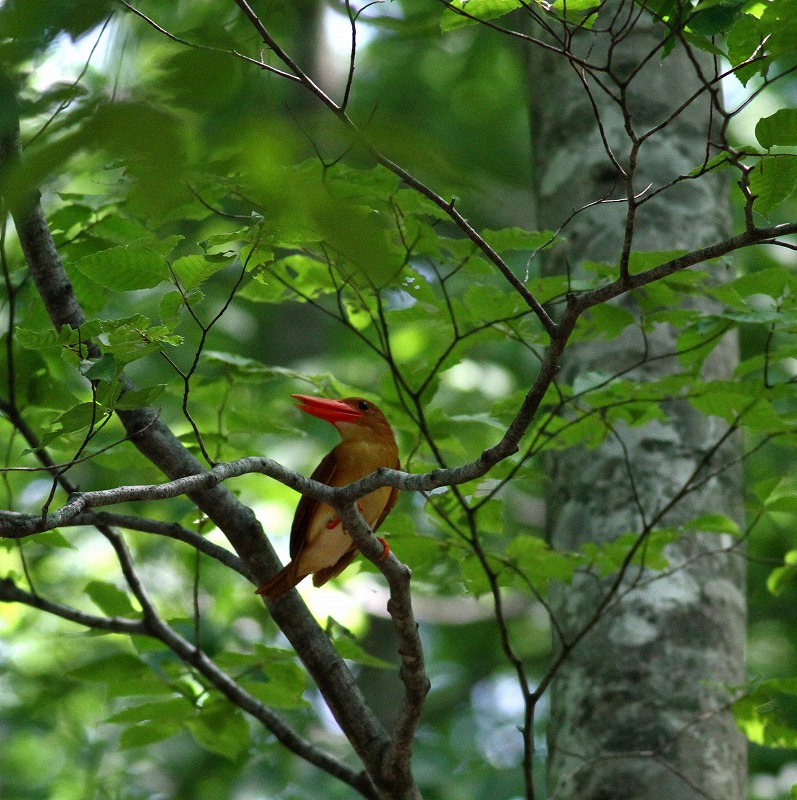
point(354, 417)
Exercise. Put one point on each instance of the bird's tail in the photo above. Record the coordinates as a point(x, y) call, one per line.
point(285, 579)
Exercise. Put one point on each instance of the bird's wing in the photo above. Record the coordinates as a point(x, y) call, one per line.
point(307, 507)
point(391, 501)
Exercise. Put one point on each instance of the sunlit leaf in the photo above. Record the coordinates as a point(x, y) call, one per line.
point(475, 10)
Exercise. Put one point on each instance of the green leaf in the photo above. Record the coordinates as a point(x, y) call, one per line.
point(297, 276)
point(277, 694)
point(147, 733)
point(221, 728)
point(110, 599)
point(140, 398)
point(117, 668)
point(605, 321)
point(105, 368)
point(713, 21)
point(768, 715)
point(77, 418)
point(608, 557)
point(150, 685)
point(786, 504)
point(193, 270)
point(474, 577)
point(539, 563)
point(36, 340)
point(281, 682)
point(480, 9)
point(642, 261)
point(54, 539)
point(714, 523)
point(125, 268)
point(744, 38)
point(774, 281)
point(781, 579)
point(772, 181)
point(173, 708)
point(517, 238)
point(351, 650)
point(779, 128)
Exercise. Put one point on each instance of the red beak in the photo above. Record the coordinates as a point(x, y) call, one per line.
point(330, 410)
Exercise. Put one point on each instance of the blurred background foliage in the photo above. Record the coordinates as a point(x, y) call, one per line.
point(145, 148)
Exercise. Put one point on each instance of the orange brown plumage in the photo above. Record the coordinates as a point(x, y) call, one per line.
point(319, 544)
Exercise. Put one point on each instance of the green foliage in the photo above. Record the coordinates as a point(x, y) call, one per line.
point(768, 714)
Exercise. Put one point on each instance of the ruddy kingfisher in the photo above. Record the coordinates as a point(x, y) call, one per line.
point(319, 545)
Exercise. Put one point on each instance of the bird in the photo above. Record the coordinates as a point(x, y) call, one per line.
point(319, 544)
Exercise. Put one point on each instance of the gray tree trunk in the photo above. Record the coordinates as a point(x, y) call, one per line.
point(640, 706)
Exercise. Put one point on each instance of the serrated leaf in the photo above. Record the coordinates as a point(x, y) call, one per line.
point(172, 303)
point(36, 340)
point(539, 563)
point(125, 268)
point(772, 181)
point(110, 599)
point(193, 270)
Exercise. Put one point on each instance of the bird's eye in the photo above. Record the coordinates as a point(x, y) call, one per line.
point(363, 406)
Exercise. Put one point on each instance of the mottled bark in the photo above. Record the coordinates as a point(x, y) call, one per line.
point(639, 708)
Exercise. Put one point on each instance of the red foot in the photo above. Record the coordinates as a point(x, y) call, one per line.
point(333, 523)
point(385, 549)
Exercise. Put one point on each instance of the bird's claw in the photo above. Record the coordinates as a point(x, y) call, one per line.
point(335, 521)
